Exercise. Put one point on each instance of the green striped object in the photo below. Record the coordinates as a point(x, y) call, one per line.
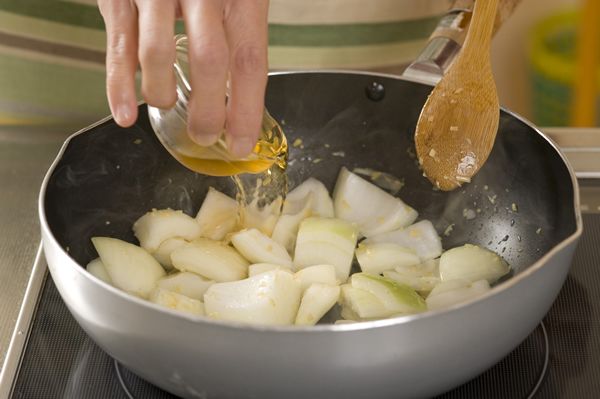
point(52, 52)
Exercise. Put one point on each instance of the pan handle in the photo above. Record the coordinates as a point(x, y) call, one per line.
point(447, 39)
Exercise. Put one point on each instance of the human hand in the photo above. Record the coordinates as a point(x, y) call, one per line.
point(227, 39)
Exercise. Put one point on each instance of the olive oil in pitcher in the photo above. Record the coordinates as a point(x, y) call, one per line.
point(260, 178)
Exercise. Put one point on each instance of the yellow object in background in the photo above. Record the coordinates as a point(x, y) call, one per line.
point(553, 70)
point(588, 46)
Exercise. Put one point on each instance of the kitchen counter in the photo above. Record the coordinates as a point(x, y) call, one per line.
point(26, 153)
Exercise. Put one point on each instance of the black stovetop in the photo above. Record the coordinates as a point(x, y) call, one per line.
point(560, 359)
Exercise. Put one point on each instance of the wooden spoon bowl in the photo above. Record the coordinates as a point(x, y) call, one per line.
point(458, 124)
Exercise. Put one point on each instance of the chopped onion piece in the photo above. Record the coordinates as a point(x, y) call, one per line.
point(364, 304)
point(420, 236)
point(172, 300)
point(394, 296)
point(317, 301)
point(422, 285)
point(287, 226)
point(189, 284)
point(429, 268)
point(259, 248)
point(322, 205)
point(322, 274)
point(211, 259)
point(262, 218)
point(157, 226)
point(330, 230)
point(164, 251)
point(217, 216)
point(269, 298)
point(319, 253)
point(97, 268)
point(259, 268)
point(456, 291)
point(472, 263)
point(130, 267)
point(326, 241)
point(372, 209)
point(382, 179)
point(379, 257)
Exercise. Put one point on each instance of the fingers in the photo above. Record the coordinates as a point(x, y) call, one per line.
point(246, 31)
point(209, 60)
point(121, 59)
point(157, 51)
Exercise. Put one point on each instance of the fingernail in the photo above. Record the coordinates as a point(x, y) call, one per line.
point(123, 114)
point(241, 148)
point(206, 140)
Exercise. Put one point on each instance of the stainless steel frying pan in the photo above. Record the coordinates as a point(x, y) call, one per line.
point(105, 177)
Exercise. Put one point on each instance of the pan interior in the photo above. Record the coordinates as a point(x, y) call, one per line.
point(109, 176)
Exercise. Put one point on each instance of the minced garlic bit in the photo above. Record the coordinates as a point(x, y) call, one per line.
point(519, 250)
point(432, 153)
point(458, 90)
point(469, 214)
point(68, 249)
point(464, 179)
point(514, 208)
point(138, 141)
point(448, 230)
point(326, 145)
point(283, 121)
point(452, 101)
point(469, 141)
point(421, 160)
point(424, 174)
point(538, 231)
point(444, 177)
point(107, 222)
point(454, 128)
point(478, 210)
point(297, 143)
point(495, 210)
point(346, 205)
point(430, 119)
point(485, 187)
point(317, 160)
point(338, 154)
point(437, 159)
point(443, 94)
point(362, 246)
point(118, 166)
point(492, 199)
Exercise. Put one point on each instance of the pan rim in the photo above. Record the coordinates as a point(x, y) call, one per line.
point(320, 328)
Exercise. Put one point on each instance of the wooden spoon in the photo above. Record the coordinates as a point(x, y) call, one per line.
point(458, 124)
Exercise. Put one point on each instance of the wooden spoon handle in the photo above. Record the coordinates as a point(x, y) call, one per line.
point(461, 11)
point(447, 39)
